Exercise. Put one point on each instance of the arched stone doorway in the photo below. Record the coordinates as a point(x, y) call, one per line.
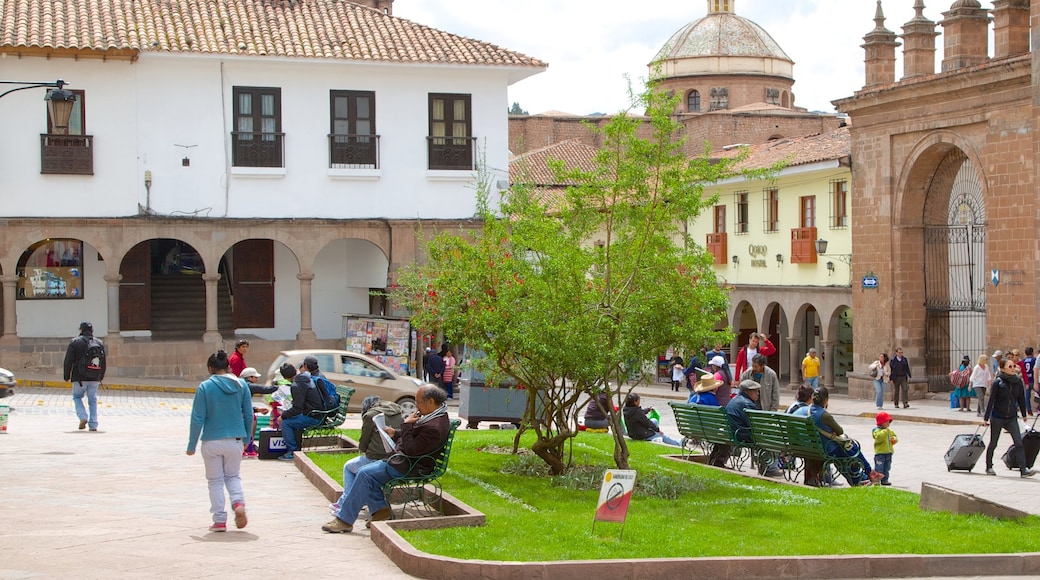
point(955, 273)
point(161, 291)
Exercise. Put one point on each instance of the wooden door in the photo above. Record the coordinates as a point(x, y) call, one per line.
point(135, 289)
point(253, 284)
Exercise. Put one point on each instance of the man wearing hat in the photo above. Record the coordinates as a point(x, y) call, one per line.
point(994, 362)
point(704, 391)
point(306, 401)
point(85, 368)
point(736, 412)
point(252, 378)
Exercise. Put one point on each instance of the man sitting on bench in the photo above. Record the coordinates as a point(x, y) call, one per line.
point(422, 433)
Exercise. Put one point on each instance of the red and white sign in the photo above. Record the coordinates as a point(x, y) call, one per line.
point(615, 495)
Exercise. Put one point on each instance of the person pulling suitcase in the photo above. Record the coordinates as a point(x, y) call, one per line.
point(1007, 399)
point(1031, 443)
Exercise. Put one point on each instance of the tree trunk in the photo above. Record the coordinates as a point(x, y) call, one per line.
point(620, 445)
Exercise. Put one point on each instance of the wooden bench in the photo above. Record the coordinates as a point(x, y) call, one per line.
point(331, 420)
point(422, 492)
point(708, 426)
point(796, 440)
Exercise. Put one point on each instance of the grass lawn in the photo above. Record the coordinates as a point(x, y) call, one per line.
point(699, 511)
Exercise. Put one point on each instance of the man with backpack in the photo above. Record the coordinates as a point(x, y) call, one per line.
point(85, 368)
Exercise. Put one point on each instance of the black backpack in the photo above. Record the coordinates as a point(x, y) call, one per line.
point(91, 366)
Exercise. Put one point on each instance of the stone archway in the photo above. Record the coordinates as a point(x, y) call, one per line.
point(955, 273)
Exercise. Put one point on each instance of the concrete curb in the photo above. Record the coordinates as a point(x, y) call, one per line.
point(56, 384)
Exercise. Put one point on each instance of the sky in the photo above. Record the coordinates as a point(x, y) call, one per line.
point(591, 45)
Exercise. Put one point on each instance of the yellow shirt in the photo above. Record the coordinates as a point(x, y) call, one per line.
point(811, 367)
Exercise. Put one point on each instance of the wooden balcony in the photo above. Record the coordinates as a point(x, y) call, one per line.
point(718, 248)
point(803, 247)
point(67, 154)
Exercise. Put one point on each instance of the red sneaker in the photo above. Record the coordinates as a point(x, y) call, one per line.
point(240, 515)
point(218, 527)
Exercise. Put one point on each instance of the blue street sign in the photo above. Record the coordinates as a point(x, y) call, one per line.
point(870, 282)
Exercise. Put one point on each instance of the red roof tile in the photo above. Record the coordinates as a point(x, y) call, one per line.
point(303, 28)
point(794, 151)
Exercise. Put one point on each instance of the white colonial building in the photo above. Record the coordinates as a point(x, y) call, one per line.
point(244, 168)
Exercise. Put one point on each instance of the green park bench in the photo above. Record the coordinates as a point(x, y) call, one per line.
point(422, 492)
point(331, 420)
point(796, 440)
point(707, 426)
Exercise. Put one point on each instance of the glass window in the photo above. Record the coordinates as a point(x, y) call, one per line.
point(742, 212)
point(839, 203)
point(352, 140)
point(257, 139)
point(720, 219)
point(693, 102)
point(451, 132)
point(771, 198)
point(808, 218)
point(51, 269)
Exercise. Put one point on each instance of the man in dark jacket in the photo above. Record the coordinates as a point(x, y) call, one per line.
point(85, 375)
point(736, 412)
point(900, 378)
point(435, 368)
point(422, 433)
point(306, 403)
point(1007, 399)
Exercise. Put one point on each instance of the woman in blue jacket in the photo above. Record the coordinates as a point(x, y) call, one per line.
point(222, 417)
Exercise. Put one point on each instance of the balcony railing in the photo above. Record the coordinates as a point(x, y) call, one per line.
point(451, 152)
point(67, 154)
point(353, 151)
point(257, 149)
point(803, 248)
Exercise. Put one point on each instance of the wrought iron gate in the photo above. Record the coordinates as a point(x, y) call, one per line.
point(955, 270)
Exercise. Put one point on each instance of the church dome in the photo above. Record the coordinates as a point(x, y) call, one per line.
point(722, 35)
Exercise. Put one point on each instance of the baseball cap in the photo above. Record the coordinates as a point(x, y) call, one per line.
point(249, 372)
point(310, 362)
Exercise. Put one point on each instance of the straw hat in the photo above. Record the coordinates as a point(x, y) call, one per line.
point(707, 383)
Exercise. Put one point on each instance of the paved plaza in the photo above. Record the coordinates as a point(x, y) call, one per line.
point(126, 502)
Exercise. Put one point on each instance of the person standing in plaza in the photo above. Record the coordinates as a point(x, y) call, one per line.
point(1028, 365)
point(678, 374)
point(879, 372)
point(434, 368)
point(884, 439)
point(85, 368)
point(222, 417)
point(980, 379)
point(448, 376)
point(237, 360)
point(811, 369)
point(1007, 398)
point(757, 344)
point(900, 375)
point(964, 391)
point(995, 362)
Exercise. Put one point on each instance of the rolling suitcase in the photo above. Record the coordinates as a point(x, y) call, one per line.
point(965, 451)
point(1031, 442)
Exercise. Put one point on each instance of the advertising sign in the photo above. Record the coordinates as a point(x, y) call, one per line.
point(615, 495)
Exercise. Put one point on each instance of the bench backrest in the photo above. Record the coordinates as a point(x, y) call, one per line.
point(441, 464)
point(338, 416)
point(706, 422)
point(784, 433)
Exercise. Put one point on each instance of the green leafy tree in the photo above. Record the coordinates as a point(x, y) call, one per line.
point(567, 294)
point(516, 110)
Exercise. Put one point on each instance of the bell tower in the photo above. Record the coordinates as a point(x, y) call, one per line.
point(721, 6)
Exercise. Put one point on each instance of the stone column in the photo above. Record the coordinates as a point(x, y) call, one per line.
point(10, 283)
point(212, 334)
point(795, 347)
point(827, 368)
point(880, 48)
point(113, 302)
point(306, 321)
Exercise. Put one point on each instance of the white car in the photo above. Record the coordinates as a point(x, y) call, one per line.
point(6, 383)
point(365, 375)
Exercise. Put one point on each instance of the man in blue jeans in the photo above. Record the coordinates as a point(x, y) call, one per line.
point(306, 401)
point(422, 433)
point(85, 373)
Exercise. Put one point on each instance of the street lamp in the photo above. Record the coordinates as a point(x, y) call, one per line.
point(821, 250)
point(59, 101)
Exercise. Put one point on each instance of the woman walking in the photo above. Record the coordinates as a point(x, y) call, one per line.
point(981, 377)
point(880, 372)
point(448, 377)
point(222, 416)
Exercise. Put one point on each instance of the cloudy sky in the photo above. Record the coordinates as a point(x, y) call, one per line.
point(591, 45)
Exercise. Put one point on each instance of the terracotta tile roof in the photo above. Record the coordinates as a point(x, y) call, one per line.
point(533, 167)
point(795, 151)
point(303, 28)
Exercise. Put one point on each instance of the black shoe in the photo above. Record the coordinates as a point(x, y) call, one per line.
point(1028, 473)
point(906, 405)
point(989, 471)
point(886, 483)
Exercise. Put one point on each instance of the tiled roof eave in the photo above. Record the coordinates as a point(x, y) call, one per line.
point(330, 59)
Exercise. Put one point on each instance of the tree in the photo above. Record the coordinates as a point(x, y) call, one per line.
point(563, 295)
point(516, 110)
